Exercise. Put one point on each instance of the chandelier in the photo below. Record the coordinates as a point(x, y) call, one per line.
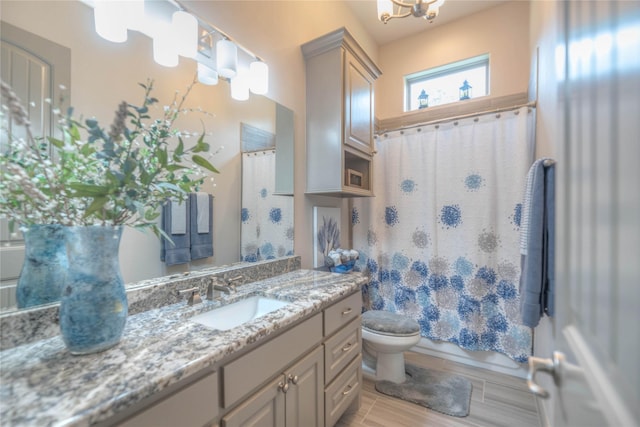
point(427, 9)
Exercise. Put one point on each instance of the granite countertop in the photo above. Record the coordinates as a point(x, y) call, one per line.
point(43, 384)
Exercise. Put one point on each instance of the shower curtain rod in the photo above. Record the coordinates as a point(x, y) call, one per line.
point(460, 117)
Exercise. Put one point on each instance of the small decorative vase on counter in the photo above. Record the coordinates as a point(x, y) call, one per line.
point(45, 265)
point(93, 307)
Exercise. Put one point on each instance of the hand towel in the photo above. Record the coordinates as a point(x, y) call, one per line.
point(202, 210)
point(178, 218)
point(537, 279)
point(176, 251)
point(201, 243)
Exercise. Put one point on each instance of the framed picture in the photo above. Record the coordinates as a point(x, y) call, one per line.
point(326, 233)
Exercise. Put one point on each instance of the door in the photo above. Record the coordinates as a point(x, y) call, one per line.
point(305, 396)
point(265, 408)
point(597, 323)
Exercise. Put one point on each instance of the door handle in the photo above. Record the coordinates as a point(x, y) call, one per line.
point(553, 366)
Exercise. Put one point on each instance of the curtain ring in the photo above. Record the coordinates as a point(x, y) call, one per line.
point(419, 130)
point(401, 132)
point(476, 119)
point(437, 126)
point(455, 123)
point(498, 116)
point(516, 112)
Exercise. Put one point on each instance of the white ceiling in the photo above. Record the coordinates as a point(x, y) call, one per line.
point(367, 14)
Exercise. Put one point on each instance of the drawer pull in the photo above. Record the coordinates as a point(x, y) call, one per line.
point(347, 347)
point(347, 391)
point(347, 311)
point(283, 386)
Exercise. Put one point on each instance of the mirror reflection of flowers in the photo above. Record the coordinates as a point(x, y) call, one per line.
point(119, 176)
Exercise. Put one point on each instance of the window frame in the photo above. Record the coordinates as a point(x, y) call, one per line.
point(443, 70)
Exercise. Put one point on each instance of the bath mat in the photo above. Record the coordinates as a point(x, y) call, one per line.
point(436, 390)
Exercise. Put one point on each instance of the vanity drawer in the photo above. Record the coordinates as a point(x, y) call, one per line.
point(195, 405)
point(342, 312)
point(244, 374)
point(341, 348)
point(343, 391)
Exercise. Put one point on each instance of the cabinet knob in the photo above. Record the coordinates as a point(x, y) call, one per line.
point(293, 379)
point(283, 386)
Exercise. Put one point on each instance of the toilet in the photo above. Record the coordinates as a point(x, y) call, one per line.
point(385, 336)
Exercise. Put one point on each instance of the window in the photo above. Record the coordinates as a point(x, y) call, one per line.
point(442, 85)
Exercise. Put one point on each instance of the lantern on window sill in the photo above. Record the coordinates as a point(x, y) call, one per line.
point(423, 100)
point(465, 91)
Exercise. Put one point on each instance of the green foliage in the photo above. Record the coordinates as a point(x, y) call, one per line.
point(116, 176)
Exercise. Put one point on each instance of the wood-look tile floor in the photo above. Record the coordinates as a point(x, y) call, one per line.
point(497, 400)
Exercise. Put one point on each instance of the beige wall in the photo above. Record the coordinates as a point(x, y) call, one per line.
point(501, 31)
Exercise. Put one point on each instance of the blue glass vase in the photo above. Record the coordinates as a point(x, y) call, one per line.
point(93, 307)
point(45, 265)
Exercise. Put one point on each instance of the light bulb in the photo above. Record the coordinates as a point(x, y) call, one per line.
point(259, 77)
point(207, 75)
point(109, 21)
point(185, 31)
point(164, 46)
point(226, 58)
point(240, 85)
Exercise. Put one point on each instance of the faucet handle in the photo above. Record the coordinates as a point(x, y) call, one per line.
point(231, 281)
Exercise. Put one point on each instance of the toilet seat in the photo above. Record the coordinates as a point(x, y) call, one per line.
point(390, 324)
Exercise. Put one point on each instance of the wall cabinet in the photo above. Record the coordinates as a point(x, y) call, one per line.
point(340, 116)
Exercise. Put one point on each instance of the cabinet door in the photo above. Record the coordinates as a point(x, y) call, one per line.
point(305, 397)
point(266, 408)
point(358, 126)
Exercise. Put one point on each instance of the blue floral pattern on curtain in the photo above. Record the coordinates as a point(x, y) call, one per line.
point(440, 240)
point(267, 219)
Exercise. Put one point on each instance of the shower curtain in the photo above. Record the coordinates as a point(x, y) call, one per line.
point(267, 219)
point(440, 239)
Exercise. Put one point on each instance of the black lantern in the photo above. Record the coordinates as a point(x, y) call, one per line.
point(423, 100)
point(465, 91)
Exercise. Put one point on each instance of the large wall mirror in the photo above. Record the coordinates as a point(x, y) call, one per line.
point(102, 74)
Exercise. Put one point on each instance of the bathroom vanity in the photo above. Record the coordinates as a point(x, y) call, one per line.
point(297, 365)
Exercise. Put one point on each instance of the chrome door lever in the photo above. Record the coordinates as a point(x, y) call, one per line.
point(553, 366)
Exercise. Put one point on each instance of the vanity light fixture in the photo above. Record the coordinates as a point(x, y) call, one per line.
point(207, 75)
point(107, 20)
point(165, 48)
point(227, 58)
point(240, 85)
point(259, 77)
point(178, 32)
point(185, 31)
point(427, 9)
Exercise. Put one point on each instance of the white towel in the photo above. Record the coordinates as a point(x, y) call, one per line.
point(202, 211)
point(178, 217)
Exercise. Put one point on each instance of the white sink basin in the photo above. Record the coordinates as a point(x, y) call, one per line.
point(235, 314)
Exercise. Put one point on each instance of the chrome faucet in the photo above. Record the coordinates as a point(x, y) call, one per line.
point(227, 286)
point(194, 295)
point(215, 285)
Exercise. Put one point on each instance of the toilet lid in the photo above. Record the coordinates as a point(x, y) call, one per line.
point(387, 323)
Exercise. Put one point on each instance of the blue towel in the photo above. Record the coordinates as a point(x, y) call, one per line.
point(178, 251)
point(201, 243)
point(537, 279)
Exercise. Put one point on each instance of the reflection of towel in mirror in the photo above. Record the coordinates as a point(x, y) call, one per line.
point(178, 251)
point(201, 243)
point(537, 279)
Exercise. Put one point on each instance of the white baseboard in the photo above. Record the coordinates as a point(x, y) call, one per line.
point(489, 360)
